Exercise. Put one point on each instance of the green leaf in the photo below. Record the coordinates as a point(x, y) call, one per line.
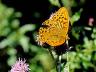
point(76, 16)
point(11, 51)
point(15, 23)
point(26, 28)
point(11, 60)
point(24, 42)
point(55, 2)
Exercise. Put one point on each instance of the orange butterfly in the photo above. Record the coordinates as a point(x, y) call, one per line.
point(54, 31)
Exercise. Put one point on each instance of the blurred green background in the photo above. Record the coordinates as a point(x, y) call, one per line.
point(19, 24)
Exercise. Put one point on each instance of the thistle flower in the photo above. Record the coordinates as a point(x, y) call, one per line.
point(20, 66)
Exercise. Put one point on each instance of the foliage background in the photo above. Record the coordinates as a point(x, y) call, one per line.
point(19, 24)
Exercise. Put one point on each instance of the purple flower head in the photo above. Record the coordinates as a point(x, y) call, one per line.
point(20, 66)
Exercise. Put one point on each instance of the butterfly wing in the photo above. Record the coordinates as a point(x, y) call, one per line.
point(56, 32)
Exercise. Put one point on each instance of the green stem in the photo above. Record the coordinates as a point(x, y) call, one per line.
point(59, 63)
point(51, 54)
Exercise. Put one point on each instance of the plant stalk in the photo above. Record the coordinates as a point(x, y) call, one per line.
point(59, 63)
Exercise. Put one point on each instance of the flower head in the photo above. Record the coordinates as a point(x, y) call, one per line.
point(20, 66)
point(91, 20)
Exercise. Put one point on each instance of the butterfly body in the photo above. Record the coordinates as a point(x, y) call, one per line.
point(56, 31)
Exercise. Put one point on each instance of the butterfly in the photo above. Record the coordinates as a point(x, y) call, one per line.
point(54, 31)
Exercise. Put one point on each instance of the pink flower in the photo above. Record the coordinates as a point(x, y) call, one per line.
point(90, 22)
point(20, 66)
